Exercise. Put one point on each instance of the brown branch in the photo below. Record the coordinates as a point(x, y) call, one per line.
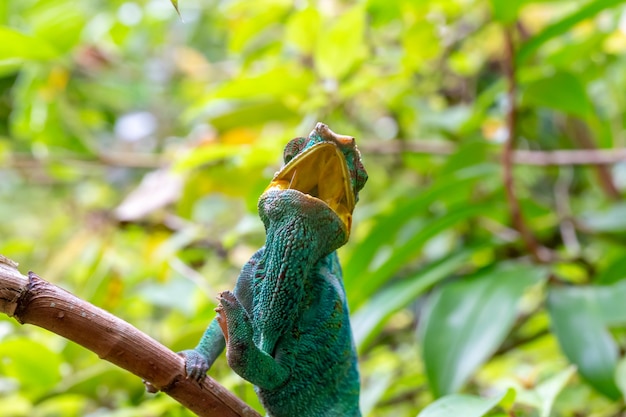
point(521, 342)
point(570, 157)
point(507, 153)
point(35, 301)
point(520, 157)
point(35, 168)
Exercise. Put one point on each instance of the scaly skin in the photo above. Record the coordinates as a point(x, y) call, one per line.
point(285, 326)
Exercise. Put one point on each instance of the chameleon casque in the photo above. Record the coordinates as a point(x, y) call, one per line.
point(285, 326)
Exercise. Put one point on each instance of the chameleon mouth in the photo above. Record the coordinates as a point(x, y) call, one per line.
point(321, 172)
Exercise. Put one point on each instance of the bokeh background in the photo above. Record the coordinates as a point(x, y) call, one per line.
point(488, 247)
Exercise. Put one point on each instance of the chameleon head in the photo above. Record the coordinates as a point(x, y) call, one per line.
point(326, 167)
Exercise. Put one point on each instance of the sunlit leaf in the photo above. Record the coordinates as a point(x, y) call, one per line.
point(16, 45)
point(466, 321)
point(563, 25)
point(550, 389)
point(303, 28)
point(505, 11)
point(461, 405)
point(341, 46)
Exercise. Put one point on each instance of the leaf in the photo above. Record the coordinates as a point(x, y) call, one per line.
point(465, 322)
point(342, 46)
point(374, 313)
point(550, 389)
point(229, 115)
point(620, 376)
point(363, 275)
point(16, 45)
point(277, 82)
point(587, 11)
point(461, 405)
point(402, 253)
point(561, 91)
point(543, 395)
point(505, 11)
point(614, 272)
point(612, 220)
point(581, 317)
point(36, 366)
point(303, 28)
point(175, 4)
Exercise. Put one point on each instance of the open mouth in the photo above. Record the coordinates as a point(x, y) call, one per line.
point(320, 172)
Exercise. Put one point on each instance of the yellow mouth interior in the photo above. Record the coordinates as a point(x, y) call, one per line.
point(322, 173)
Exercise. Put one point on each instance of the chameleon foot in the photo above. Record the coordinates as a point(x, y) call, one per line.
point(195, 364)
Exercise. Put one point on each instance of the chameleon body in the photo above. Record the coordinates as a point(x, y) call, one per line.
point(286, 326)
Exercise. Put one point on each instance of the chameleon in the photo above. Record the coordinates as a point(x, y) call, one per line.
point(286, 326)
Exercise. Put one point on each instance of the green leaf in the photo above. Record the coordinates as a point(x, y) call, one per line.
point(461, 405)
point(548, 390)
point(558, 28)
point(505, 11)
point(373, 314)
point(614, 272)
point(364, 272)
point(561, 91)
point(229, 115)
point(581, 317)
point(465, 322)
point(277, 82)
point(303, 28)
point(403, 252)
point(342, 46)
point(542, 396)
point(620, 376)
point(16, 45)
point(33, 364)
point(175, 4)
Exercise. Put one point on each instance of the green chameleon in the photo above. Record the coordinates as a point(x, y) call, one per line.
point(285, 326)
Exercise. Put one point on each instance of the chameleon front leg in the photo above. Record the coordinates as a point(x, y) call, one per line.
point(199, 360)
point(243, 356)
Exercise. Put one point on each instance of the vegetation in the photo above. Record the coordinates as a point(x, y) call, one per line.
point(134, 144)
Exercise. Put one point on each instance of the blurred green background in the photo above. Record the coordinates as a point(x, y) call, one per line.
point(134, 144)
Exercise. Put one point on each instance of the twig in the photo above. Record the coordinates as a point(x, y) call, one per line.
point(562, 202)
point(507, 152)
point(35, 301)
point(520, 157)
point(570, 157)
point(35, 167)
point(521, 342)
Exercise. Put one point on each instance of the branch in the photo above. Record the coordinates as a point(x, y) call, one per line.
point(533, 247)
point(35, 301)
point(519, 157)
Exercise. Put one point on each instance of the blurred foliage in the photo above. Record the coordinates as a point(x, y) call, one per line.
point(134, 144)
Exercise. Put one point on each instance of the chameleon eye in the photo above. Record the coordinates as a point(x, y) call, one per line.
point(293, 148)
